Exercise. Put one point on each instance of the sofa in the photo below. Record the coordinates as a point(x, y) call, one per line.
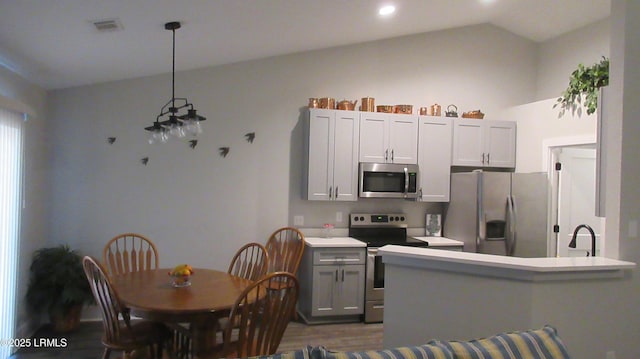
point(543, 343)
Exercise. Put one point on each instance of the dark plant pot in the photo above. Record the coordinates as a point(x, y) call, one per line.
point(66, 322)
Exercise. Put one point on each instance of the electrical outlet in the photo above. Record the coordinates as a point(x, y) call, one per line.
point(611, 354)
point(298, 220)
point(339, 217)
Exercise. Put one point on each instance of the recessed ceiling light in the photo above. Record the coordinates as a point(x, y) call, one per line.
point(386, 10)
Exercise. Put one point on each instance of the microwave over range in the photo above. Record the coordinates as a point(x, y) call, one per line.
point(388, 180)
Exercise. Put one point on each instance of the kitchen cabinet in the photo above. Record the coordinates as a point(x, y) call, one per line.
point(484, 143)
point(332, 152)
point(434, 158)
point(388, 138)
point(332, 284)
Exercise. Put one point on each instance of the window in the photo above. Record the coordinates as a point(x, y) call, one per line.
point(11, 157)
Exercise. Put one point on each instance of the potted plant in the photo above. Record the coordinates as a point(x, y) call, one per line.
point(58, 285)
point(584, 82)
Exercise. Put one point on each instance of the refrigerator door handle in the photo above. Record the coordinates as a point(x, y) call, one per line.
point(512, 226)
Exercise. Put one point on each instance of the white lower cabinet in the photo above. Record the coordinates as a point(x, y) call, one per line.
point(332, 284)
point(434, 158)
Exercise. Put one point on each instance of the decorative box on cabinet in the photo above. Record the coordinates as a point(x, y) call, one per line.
point(434, 158)
point(388, 138)
point(332, 153)
point(484, 143)
point(332, 284)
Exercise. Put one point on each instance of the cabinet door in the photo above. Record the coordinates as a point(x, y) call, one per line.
point(351, 289)
point(468, 143)
point(325, 290)
point(403, 139)
point(321, 147)
point(434, 158)
point(373, 137)
point(500, 144)
point(345, 162)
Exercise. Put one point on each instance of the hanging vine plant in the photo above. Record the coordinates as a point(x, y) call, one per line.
point(584, 82)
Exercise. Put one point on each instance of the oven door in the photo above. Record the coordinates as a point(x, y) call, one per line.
point(374, 285)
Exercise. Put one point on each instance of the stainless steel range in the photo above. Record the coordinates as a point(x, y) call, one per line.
point(378, 230)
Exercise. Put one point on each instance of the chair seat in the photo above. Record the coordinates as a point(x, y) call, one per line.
point(141, 332)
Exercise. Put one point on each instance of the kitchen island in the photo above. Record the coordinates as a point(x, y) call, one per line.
point(433, 294)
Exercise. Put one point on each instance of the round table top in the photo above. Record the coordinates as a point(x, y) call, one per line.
point(151, 295)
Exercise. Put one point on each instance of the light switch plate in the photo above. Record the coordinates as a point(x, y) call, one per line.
point(298, 220)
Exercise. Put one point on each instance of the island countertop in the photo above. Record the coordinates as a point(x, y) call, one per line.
point(515, 267)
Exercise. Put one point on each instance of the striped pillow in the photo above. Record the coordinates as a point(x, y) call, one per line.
point(304, 353)
point(415, 352)
point(534, 344)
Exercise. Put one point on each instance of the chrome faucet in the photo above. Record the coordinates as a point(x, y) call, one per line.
point(572, 244)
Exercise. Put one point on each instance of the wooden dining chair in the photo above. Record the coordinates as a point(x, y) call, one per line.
point(129, 252)
point(263, 311)
point(119, 333)
point(249, 262)
point(285, 247)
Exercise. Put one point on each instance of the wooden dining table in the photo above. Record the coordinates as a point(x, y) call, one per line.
point(150, 295)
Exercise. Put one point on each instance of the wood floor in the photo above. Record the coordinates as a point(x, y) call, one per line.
point(84, 343)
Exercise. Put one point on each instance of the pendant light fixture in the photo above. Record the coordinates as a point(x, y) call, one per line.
point(170, 122)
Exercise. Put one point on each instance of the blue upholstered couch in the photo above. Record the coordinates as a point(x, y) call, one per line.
point(541, 343)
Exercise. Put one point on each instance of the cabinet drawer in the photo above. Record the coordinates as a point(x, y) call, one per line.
point(331, 256)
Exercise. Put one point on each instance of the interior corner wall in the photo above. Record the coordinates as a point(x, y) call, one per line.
point(558, 57)
point(34, 230)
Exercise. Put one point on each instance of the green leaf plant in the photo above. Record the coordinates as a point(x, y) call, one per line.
point(584, 83)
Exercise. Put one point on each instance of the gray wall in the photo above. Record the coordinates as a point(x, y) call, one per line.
point(200, 207)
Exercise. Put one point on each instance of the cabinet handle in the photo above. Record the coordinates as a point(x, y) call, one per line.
point(391, 155)
point(483, 158)
point(488, 158)
point(343, 275)
point(420, 194)
point(330, 192)
point(336, 275)
point(336, 197)
point(386, 155)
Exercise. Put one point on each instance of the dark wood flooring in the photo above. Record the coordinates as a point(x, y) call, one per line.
point(84, 342)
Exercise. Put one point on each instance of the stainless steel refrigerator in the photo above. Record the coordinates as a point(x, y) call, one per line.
point(500, 213)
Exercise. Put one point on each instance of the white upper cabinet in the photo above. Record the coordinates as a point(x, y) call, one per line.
point(332, 155)
point(484, 143)
point(388, 138)
point(434, 158)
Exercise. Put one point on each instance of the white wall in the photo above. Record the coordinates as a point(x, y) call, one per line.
point(200, 207)
point(538, 125)
point(558, 57)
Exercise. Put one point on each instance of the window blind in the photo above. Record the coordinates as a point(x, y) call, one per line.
point(11, 165)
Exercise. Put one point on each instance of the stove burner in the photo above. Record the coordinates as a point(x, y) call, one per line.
point(378, 230)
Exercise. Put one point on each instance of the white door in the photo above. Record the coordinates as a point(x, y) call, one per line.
point(576, 201)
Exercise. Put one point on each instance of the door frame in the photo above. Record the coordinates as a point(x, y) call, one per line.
point(549, 158)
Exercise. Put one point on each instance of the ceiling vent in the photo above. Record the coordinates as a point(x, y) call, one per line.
point(106, 25)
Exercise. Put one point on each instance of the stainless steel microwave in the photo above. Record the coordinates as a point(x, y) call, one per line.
point(388, 180)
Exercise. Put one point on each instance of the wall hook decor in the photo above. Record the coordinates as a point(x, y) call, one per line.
point(224, 151)
point(144, 160)
point(111, 140)
point(193, 143)
point(250, 136)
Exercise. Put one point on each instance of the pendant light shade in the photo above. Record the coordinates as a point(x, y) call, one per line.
point(170, 123)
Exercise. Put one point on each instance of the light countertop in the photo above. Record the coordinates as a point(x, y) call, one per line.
point(333, 242)
point(441, 241)
point(496, 262)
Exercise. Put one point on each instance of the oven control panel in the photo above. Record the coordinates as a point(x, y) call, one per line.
point(377, 219)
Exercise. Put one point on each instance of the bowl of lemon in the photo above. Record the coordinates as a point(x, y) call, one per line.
point(181, 275)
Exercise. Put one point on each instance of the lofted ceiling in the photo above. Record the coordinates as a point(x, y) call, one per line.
point(55, 44)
